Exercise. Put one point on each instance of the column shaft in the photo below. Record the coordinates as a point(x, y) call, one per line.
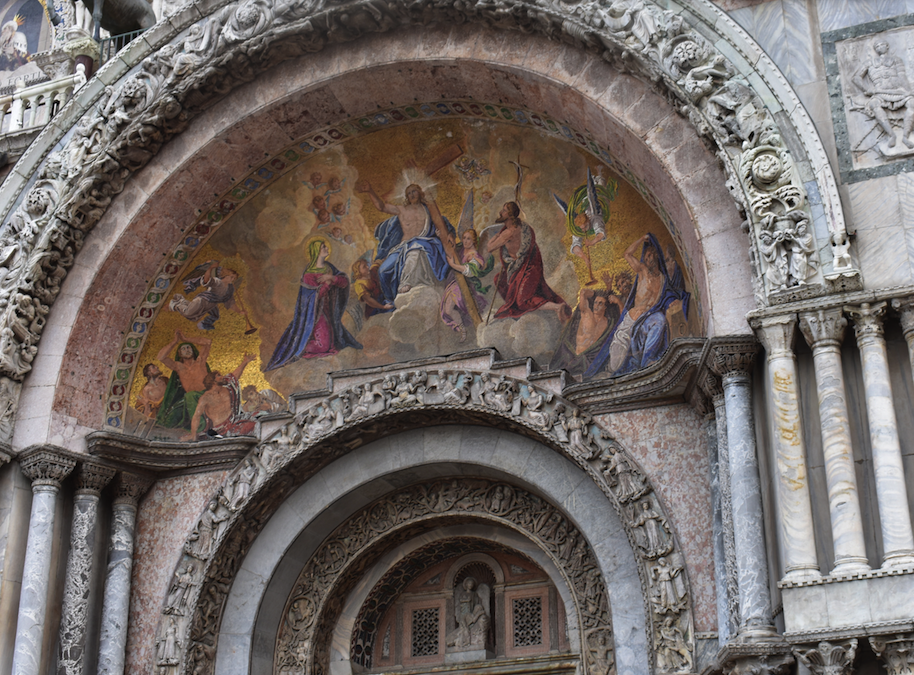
point(824, 331)
point(732, 364)
point(794, 505)
point(891, 492)
point(46, 470)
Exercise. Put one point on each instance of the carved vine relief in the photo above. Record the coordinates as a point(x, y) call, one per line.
point(189, 627)
point(128, 124)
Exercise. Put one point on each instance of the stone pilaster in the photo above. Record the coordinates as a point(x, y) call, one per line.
point(732, 361)
point(46, 469)
point(829, 658)
point(896, 652)
point(92, 478)
point(824, 332)
point(722, 523)
point(794, 504)
point(891, 492)
point(905, 309)
point(116, 604)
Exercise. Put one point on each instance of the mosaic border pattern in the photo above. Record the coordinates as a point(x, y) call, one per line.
point(291, 157)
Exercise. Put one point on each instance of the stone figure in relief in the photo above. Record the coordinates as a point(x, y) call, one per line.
point(316, 329)
point(642, 334)
point(885, 83)
point(666, 596)
point(653, 528)
point(471, 610)
point(521, 281)
point(410, 250)
point(673, 652)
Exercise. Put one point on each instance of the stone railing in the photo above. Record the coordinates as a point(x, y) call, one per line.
point(32, 107)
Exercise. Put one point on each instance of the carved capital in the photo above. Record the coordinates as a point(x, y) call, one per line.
point(129, 487)
point(92, 478)
point(905, 309)
point(867, 320)
point(896, 652)
point(763, 658)
point(733, 358)
point(776, 333)
point(829, 658)
point(823, 328)
point(46, 467)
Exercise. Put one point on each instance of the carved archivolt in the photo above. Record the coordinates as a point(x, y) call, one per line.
point(128, 123)
point(310, 612)
point(325, 431)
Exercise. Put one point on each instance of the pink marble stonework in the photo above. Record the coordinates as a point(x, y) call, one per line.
point(671, 446)
point(165, 519)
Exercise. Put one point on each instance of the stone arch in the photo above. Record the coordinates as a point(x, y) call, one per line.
point(330, 429)
point(104, 136)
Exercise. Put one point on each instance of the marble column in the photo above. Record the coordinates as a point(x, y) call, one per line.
point(91, 479)
point(116, 603)
point(46, 469)
point(732, 361)
point(891, 492)
point(824, 332)
point(798, 541)
point(722, 524)
point(905, 309)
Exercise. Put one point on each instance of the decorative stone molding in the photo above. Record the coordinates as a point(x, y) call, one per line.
point(329, 428)
point(128, 122)
point(46, 467)
point(896, 652)
point(827, 658)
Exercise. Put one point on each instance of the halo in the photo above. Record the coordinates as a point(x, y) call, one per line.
point(414, 176)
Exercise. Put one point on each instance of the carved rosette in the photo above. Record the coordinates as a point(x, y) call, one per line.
point(320, 434)
point(829, 658)
point(46, 468)
point(867, 321)
point(823, 328)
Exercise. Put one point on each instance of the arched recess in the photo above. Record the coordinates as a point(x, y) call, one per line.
point(104, 137)
point(300, 475)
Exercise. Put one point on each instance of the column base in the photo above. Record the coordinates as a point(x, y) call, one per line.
point(850, 566)
point(802, 574)
point(895, 559)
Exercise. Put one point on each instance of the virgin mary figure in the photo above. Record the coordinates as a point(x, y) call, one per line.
point(316, 329)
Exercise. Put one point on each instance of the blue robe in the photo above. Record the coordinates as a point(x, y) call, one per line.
point(392, 251)
point(650, 332)
point(296, 336)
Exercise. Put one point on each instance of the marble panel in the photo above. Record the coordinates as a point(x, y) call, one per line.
point(835, 14)
point(875, 203)
point(883, 255)
point(166, 517)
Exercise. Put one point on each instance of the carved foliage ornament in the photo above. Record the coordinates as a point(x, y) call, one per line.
point(128, 124)
point(303, 640)
point(328, 429)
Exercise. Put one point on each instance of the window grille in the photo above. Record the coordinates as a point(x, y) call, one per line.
point(528, 621)
point(425, 632)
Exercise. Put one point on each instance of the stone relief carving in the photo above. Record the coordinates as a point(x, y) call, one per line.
point(896, 652)
point(471, 615)
point(828, 659)
point(214, 549)
point(128, 124)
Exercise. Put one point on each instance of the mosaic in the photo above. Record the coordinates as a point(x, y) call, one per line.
point(417, 232)
point(24, 30)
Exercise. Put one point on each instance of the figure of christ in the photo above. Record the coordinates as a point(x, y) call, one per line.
point(152, 394)
point(410, 249)
point(642, 334)
point(219, 409)
point(185, 386)
point(471, 265)
point(521, 281)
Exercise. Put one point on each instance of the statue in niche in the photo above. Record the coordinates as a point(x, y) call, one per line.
point(471, 611)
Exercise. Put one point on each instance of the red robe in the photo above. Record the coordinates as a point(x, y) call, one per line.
point(521, 281)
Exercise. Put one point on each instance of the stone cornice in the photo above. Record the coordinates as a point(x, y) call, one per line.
point(169, 459)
